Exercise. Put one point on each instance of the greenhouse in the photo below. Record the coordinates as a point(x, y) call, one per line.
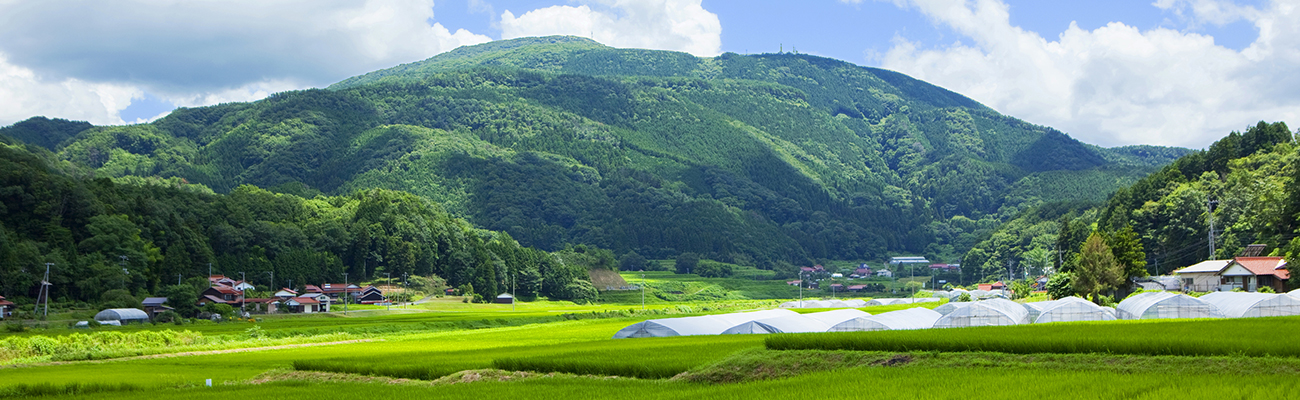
point(880, 302)
point(853, 303)
point(1072, 309)
point(991, 312)
point(955, 293)
point(950, 307)
point(701, 325)
point(914, 300)
point(124, 315)
point(911, 318)
point(814, 322)
point(1160, 305)
point(1036, 308)
point(1250, 305)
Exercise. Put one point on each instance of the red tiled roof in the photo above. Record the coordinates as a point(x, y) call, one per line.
point(306, 300)
point(225, 290)
point(857, 287)
point(986, 286)
point(1265, 266)
point(6, 302)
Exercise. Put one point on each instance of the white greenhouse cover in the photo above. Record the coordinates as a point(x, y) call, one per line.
point(955, 293)
point(852, 303)
point(1158, 305)
point(880, 302)
point(913, 300)
point(950, 307)
point(1249, 305)
point(1294, 293)
point(121, 314)
point(814, 322)
point(1036, 308)
point(1074, 309)
point(701, 325)
point(911, 318)
point(985, 313)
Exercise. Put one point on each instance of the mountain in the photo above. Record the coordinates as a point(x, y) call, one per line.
point(755, 159)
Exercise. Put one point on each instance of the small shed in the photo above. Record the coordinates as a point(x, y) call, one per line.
point(155, 305)
point(122, 315)
point(1161, 305)
point(504, 298)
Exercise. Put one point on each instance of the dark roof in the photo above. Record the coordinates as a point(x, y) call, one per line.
point(213, 299)
point(154, 301)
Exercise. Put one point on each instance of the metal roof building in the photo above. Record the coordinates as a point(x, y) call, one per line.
point(1159, 305)
point(911, 318)
point(1249, 305)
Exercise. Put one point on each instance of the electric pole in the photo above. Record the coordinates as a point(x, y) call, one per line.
point(45, 289)
point(1210, 206)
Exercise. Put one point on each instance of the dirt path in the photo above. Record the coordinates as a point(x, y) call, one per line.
point(192, 353)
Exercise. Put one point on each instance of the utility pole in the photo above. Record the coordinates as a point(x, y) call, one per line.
point(800, 288)
point(642, 290)
point(45, 289)
point(244, 300)
point(513, 279)
point(178, 279)
point(1210, 206)
point(345, 293)
point(125, 272)
point(209, 270)
point(272, 287)
point(388, 281)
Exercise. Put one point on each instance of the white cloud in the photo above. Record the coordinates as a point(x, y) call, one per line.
point(24, 95)
point(681, 25)
point(200, 52)
point(1116, 85)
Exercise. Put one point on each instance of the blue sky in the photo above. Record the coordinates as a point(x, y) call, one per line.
point(1172, 72)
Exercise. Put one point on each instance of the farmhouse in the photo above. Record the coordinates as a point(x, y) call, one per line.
point(334, 290)
point(369, 295)
point(6, 308)
point(1247, 273)
point(154, 305)
point(304, 304)
point(222, 294)
point(286, 293)
point(262, 305)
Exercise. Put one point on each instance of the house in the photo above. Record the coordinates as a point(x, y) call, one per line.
point(242, 286)
point(6, 308)
point(334, 290)
point(369, 295)
point(943, 267)
point(303, 304)
point(221, 280)
point(449, 291)
point(1247, 273)
point(862, 271)
point(223, 294)
point(154, 306)
point(268, 306)
point(806, 270)
point(285, 293)
point(793, 283)
point(312, 289)
point(857, 288)
point(884, 273)
point(504, 298)
point(836, 287)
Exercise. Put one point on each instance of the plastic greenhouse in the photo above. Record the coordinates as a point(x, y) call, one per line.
point(955, 293)
point(950, 307)
point(985, 313)
point(123, 315)
point(814, 322)
point(1036, 308)
point(880, 302)
point(1249, 305)
point(701, 325)
point(914, 300)
point(1073, 309)
point(911, 318)
point(1159, 305)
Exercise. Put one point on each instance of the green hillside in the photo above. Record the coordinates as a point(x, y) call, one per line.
point(1252, 176)
point(757, 159)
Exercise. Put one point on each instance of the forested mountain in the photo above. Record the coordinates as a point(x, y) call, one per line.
point(758, 159)
point(1252, 177)
point(144, 234)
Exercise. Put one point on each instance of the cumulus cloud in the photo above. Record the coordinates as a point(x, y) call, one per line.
point(200, 52)
point(681, 25)
point(1117, 84)
point(23, 95)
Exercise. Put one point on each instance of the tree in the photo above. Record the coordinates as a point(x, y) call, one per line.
point(182, 298)
point(119, 298)
point(1060, 285)
point(631, 262)
point(1098, 271)
point(1020, 289)
point(686, 262)
point(913, 286)
point(1126, 246)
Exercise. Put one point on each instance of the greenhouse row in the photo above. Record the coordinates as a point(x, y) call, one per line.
point(991, 312)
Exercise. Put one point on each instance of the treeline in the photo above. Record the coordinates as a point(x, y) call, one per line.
point(1246, 182)
point(100, 235)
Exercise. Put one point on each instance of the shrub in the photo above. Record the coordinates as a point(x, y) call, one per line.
point(1266, 289)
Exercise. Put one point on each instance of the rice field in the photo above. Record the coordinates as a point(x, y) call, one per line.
point(1256, 337)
